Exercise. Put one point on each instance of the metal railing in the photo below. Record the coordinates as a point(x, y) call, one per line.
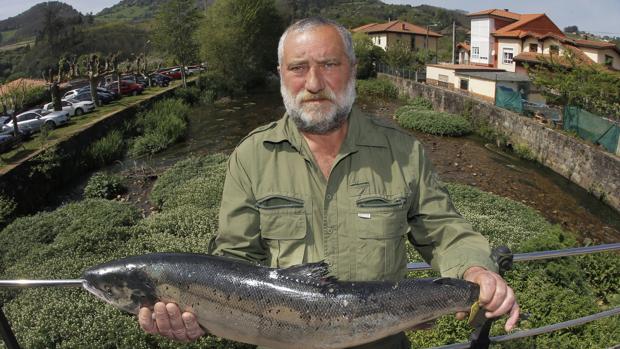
point(415, 75)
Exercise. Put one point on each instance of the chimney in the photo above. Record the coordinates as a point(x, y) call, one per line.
point(404, 27)
point(507, 10)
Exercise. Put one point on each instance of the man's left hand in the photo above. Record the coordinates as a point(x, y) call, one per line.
point(496, 297)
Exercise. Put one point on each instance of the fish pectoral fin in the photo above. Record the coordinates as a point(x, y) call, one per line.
point(424, 326)
point(318, 272)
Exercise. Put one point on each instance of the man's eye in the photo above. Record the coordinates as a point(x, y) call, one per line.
point(297, 68)
point(331, 65)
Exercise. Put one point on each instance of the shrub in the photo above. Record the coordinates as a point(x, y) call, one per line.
point(420, 103)
point(105, 150)
point(104, 186)
point(163, 125)
point(524, 152)
point(7, 208)
point(190, 94)
point(172, 183)
point(429, 121)
point(219, 84)
point(376, 88)
point(208, 97)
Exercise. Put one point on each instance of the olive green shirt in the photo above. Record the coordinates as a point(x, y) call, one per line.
point(278, 209)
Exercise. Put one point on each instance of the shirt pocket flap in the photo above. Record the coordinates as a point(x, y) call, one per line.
point(282, 217)
point(380, 217)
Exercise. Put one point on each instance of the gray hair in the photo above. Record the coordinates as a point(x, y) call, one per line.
point(314, 22)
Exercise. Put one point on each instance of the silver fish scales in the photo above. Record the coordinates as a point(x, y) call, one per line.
point(300, 306)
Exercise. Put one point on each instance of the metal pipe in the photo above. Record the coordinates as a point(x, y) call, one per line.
point(41, 283)
point(532, 256)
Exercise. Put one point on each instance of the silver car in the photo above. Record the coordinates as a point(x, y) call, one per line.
point(75, 108)
point(32, 121)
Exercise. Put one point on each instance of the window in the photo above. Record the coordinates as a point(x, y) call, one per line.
point(475, 52)
point(379, 40)
point(465, 84)
point(533, 47)
point(412, 42)
point(554, 49)
point(609, 60)
point(507, 55)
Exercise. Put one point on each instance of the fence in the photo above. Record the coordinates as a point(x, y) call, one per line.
point(415, 75)
point(594, 128)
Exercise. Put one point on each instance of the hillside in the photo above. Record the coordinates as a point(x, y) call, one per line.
point(137, 10)
point(32, 21)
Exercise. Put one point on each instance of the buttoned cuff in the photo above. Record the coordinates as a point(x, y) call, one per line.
point(456, 266)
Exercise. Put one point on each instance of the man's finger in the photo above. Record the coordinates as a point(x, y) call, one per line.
point(487, 288)
point(192, 327)
point(513, 318)
point(162, 320)
point(461, 315)
point(177, 325)
point(507, 304)
point(145, 318)
point(500, 295)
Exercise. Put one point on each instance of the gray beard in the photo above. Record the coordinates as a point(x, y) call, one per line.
point(323, 125)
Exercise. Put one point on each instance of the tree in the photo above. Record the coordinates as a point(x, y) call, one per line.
point(239, 39)
point(93, 68)
point(12, 98)
point(367, 54)
point(54, 78)
point(572, 29)
point(565, 80)
point(175, 29)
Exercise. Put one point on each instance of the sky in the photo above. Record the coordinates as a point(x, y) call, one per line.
point(595, 16)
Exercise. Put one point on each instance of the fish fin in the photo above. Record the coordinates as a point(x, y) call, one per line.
point(318, 271)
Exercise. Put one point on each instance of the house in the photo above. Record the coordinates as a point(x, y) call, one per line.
point(398, 32)
point(507, 40)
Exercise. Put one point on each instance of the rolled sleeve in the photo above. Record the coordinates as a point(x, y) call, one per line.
point(438, 232)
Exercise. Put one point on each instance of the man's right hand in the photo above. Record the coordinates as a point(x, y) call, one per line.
point(169, 322)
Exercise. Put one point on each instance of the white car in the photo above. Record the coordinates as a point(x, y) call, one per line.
point(32, 121)
point(75, 108)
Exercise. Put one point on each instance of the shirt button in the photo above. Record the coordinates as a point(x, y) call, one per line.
point(329, 196)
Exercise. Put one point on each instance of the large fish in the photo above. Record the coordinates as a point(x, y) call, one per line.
point(300, 306)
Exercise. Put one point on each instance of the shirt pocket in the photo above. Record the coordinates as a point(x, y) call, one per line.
point(381, 224)
point(283, 226)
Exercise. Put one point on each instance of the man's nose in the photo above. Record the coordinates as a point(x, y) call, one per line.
point(314, 80)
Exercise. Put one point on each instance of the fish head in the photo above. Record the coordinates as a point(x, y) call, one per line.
point(124, 285)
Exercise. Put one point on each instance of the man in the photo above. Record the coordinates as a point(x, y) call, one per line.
point(326, 182)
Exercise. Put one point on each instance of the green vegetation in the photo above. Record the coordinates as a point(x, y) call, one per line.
point(163, 125)
point(376, 88)
point(433, 122)
point(524, 152)
point(7, 208)
point(568, 81)
point(420, 103)
point(367, 55)
point(230, 36)
point(64, 242)
point(104, 186)
point(105, 150)
point(191, 95)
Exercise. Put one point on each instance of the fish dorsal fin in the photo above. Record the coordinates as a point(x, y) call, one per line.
point(448, 281)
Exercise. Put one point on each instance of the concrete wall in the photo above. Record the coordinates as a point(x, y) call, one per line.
point(507, 45)
point(590, 168)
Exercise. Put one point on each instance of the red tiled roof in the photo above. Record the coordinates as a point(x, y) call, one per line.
point(395, 27)
point(464, 45)
point(497, 13)
point(465, 67)
point(536, 24)
point(537, 57)
point(593, 43)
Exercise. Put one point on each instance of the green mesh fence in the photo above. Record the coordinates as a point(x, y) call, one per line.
point(509, 99)
point(592, 127)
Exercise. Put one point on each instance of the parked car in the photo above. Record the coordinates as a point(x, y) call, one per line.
point(8, 141)
point(174, 73)
point(135, 79)
point(127, 88)
point(102, 90)
point(74, 108)
point(193, 69)
point(32, 120)
point(160, 79)
point(104, 97)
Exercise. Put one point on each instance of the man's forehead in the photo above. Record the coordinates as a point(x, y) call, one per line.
point(322, 42)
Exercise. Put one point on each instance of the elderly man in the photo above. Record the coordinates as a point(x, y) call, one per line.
point(328, 183)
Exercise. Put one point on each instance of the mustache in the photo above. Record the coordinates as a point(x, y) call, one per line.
point(305, 96)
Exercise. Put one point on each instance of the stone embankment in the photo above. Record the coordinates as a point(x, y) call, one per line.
point(582, 163)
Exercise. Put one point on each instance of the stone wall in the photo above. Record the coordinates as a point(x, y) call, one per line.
point(584, 164)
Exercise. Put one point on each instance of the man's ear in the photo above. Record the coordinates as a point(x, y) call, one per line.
point(279, 70)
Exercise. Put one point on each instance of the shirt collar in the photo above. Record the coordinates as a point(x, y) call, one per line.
point(360, 132)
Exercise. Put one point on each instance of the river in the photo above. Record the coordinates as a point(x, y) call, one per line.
point(467, 160)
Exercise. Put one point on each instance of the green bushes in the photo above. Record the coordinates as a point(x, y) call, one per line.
point(7, 208)
point(105, 150)
point(162, 126)
point(190, 94)
point(62, 243)
point(433, 122)
point(104, 186)
point(420, 103)
point(376, 88)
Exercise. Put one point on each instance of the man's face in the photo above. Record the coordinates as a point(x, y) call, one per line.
point(317, 82)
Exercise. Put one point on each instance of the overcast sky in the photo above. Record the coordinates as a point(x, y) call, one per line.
point(596, 16)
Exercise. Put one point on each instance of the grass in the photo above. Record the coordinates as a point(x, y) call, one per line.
point(77, 124)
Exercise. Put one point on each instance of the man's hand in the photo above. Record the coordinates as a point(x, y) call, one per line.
point(496, 297)
point(169, 322)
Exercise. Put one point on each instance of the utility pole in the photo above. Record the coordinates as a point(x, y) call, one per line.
point(453, 42)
